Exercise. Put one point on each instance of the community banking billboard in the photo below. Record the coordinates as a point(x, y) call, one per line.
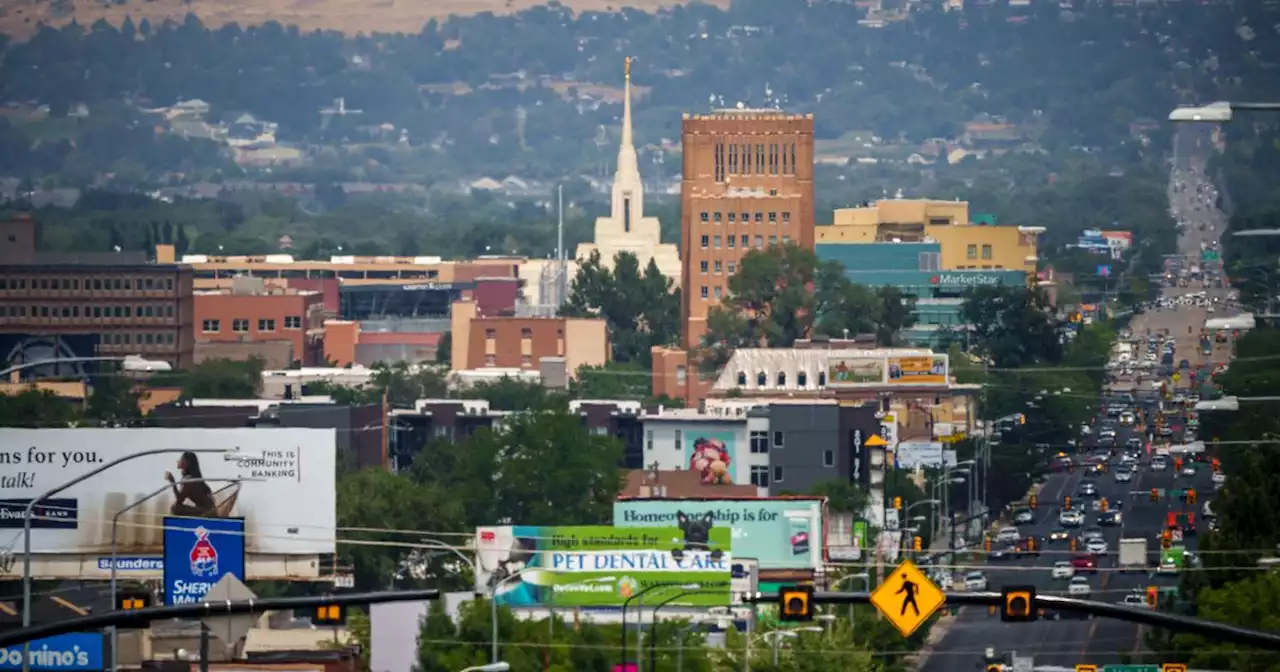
point(780, 533)
point(279, 481)
point(599, 566)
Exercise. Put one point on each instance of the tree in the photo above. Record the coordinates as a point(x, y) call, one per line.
point(1012, 326)
point(34, 408)
point(614, 380)
point(216, 379)
point(402, 383)
point(113, 401)
point(641, 309)
point(514, 394)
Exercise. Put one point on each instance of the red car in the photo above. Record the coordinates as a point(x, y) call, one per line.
point(1085, 563)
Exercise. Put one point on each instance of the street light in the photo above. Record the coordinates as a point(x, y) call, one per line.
point(115, 522)
point(637, 596)
point(228, 453)
point(1218, 112)
point(135, 363)
point(777, 635)
point(500, 666)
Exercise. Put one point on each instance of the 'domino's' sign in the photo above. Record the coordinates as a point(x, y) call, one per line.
point(75, 652)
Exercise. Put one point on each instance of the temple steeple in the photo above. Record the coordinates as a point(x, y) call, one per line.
point(628, 189)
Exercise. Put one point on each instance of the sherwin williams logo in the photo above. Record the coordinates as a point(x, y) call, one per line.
point(965, 279)
point(204, 557)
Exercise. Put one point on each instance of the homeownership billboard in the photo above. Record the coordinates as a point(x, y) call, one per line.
point(281, 484)
point(778, 533)
point(599, 566)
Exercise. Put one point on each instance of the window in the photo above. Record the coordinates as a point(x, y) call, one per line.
point(802, 379)
point(240, 326)
point(732, 266)
point(490, 334)
point(759, 242)
point(971, 252)
point(744, 241)
point(777, 443)
point(648, 440)
point(716, 217)
point(682, 375)
point(786, 218)
point(706, 240)
point(526, 360)
point(292, 322)
point(719, 293)
point(746, 217)
point(718, 268)
point(759, 442)
point(731, 241)
point(702, 266)
point(490, 360)
point(703, 215)
point(786, 239)
point(760, 476)
point(526, 333)
point(782, 379)
point(717, 242)
point(265, 324)
point(704, 291)
point(773, 216)
point(828, 458)
point(929, 261)
point(986, 251)
point(761, 379)
point(742, 379)
point(773, 240)
point(759, 216)
point(210, 326)
point(733, 217)
point(679, 440)
point(777, 474)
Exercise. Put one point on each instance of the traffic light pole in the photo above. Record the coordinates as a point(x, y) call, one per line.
point(139, 618)
point(1143, 616)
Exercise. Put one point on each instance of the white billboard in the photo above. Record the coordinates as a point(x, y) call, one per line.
point(285, 492)
point(923, 455)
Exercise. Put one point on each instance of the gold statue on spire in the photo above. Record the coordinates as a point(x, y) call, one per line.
point(627, 67)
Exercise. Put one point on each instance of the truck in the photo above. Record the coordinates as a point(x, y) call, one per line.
point(1133, 554)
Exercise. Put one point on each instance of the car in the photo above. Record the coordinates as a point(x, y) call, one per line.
point(975, 581)
point(1159, 463)
point(1133, 444)
point(1123, 476)
point(1008, 535)
point(1109, 518)
point(1136, 600)
point(1024, 516)
point(1092, 533)
point(1071, 518)
point(1079, 586)
point(1059, 534)
point(1085, 563)
point(1127, 418)
point(1219, 478)
point(1096, 546)
point(1188, 472)
point(1002, 554)
point(1206, 511)
point(1088, 489)
point(1063, 570)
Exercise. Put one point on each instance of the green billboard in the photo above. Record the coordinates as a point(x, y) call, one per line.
point(599, 566)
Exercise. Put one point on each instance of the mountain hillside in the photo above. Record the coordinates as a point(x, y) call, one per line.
point(20, 18)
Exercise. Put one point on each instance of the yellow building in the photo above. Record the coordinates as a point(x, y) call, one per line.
point(964, 244)
point(933, 251)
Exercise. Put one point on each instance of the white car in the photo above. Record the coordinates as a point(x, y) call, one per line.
point(975, 581)
point(1078, 586)
point(1127, 418)
point(1096, 546)
point(1135, 600)
point(1159, 464)
point(1188, 472)
point(1008, 535)
point(1219, 478)
point(1024, 517)
point(1063, 570)
point(1123, 476)
point(1071, 518)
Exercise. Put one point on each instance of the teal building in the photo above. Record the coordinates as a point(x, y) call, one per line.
point(915, 269)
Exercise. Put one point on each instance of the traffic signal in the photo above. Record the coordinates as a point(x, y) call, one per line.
point(1191, 520)
point(1086, 668)
point(1019, 604)
point(1031, 543)
point(132, 601)
point(1033, 501)
point(897, 503)
point(1072, 543)
point(1066, 503)
point(796, 603)
point(1191, 496)
point(1173, 667)
point(986, 544)
point(1166, 539)
point(331, 615)
point(991, 610)
point(1215, 464)
point(1155, 494)
point(1102, 504)
point(1153, 596)
point(917, 544)
point(995, 667)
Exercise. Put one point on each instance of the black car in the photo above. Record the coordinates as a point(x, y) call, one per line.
point(1109, 518)
point(1006, 553)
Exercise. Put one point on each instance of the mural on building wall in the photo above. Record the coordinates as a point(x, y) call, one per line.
point(711, 454)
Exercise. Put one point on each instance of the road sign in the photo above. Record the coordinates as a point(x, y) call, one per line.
point(1131, 668)
point(907, 598)
point(230, 629)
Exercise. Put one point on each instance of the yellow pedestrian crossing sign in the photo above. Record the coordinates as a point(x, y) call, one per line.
point(907, 598)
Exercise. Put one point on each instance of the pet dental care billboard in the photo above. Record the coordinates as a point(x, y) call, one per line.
point(279, 481)
point(599, 566)
point(778, 533)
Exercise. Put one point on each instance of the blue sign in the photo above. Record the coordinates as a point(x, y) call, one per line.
point(197, 553)
point(49, 514)
point(1104, 271)
point(71, 652)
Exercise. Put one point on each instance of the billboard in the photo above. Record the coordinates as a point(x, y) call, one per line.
point(710, 454)
point(785, 533)
point(925, 370)
point(286, 497)
point(600, 566)
point(73, 652)
point(197, 553)
point(855, 371)
point(922, 455)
